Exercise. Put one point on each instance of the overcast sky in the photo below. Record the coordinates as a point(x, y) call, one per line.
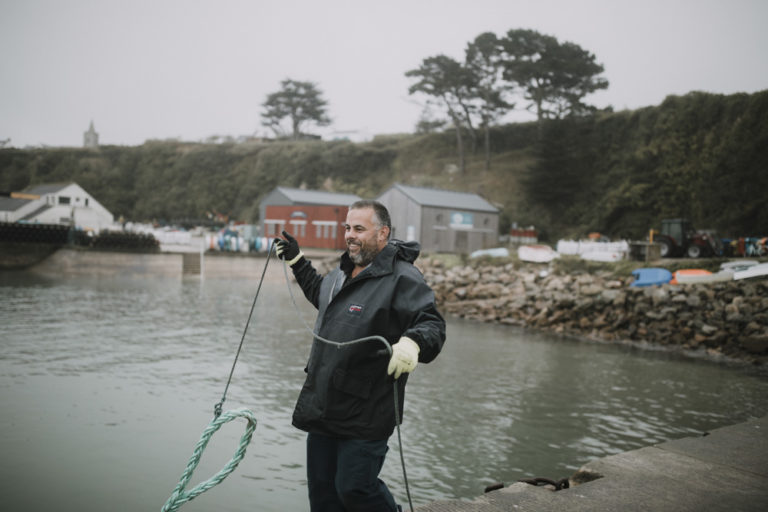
point(190, 69)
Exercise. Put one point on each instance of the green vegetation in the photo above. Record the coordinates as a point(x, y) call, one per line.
point(701, 156)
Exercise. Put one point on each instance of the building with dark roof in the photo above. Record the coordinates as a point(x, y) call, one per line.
point(441, 220)
point(315, 218)
point(56, 203)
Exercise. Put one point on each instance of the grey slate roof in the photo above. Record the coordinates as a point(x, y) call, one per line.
point(446, 198)
point(11, 204)
point(300, 196)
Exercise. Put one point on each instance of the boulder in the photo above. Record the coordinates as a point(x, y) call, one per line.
point(755, 344)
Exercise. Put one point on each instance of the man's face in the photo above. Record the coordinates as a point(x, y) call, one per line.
point(365, 239)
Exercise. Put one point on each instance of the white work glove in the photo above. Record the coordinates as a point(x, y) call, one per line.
point(405, 356)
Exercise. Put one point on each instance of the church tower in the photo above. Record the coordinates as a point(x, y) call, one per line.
point(91, 138)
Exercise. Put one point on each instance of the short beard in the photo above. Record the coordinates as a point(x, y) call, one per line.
point(365, 256)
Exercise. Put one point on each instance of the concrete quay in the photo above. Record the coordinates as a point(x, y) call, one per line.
point(724, 470)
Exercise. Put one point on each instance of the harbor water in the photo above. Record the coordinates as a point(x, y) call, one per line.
point(106, 385)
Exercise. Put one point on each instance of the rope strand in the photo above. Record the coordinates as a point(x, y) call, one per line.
point(218, 406)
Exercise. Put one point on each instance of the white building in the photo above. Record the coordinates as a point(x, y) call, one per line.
point(65, 204)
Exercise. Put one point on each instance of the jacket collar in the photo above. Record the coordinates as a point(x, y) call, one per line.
point(382, 264)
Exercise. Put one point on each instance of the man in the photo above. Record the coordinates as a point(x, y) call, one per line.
point(347, 402)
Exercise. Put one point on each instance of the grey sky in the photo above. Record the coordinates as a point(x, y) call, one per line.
point(144, 69)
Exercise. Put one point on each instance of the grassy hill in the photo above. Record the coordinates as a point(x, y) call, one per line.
point(701, 156)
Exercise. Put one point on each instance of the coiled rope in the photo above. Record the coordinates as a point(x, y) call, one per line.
point(180, 495)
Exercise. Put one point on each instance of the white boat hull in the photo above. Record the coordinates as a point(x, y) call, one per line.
point(759, 270)
point(536, 253)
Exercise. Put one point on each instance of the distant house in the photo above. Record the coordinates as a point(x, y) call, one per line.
point(65, 204)
point(315, 218)
point(441, 220)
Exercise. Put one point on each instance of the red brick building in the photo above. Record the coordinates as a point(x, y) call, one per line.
point(316, 219)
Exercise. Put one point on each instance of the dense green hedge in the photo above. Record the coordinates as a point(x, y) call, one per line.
point(700, 156)
point(59, 235)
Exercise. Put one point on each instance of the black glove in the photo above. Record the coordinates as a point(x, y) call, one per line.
point(288, 249)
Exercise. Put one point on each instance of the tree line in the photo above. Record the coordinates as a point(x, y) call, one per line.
point(550, 76)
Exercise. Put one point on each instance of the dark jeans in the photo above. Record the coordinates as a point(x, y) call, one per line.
point(343, 475)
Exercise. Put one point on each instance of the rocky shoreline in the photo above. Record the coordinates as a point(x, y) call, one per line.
point(724, 321)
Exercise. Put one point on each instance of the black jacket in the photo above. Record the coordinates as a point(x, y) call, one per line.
point(347, 392)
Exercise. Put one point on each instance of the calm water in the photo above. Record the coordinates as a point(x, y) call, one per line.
point(107, 384)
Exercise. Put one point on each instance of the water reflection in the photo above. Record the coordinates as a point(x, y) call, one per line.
point(108, 383)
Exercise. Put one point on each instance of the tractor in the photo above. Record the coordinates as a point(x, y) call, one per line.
point(678, 238)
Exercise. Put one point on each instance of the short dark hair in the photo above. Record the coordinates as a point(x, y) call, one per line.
point(379, 211)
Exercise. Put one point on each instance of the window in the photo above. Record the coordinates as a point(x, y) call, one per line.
point(325, 229)
point(298, 228)
point(63, 200)
point(272, 227)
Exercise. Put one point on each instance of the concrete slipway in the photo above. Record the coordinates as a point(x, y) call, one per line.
point(725, 470)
